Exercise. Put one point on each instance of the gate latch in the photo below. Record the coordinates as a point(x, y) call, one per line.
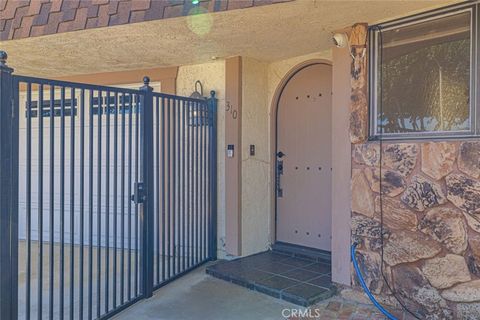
point(139, 195)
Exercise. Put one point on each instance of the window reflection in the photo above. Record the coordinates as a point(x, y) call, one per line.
point(424, 77)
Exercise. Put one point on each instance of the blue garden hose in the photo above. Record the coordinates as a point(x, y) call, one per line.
point(364, 286)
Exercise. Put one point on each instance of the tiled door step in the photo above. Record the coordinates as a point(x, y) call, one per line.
point(284, 276)
point(302, 252)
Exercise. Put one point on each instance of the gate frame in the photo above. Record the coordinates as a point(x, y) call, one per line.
point(147, 178)
point(212, 102)
point(8, 193)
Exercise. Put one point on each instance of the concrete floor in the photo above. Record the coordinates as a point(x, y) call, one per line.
point(200, 296)
point(193, 296)
point(98, 300)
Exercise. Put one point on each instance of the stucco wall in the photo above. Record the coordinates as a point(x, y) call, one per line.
point(260, 80)
point(212, 76)
point(341, 167)
point(256, 184)
point(260, 84)
point(277, 70)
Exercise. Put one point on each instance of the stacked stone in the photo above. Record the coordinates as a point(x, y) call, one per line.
point(429, 194)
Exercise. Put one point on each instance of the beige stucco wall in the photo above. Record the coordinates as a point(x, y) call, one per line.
point(276, 73)
point(212, 76)
point(256, 182)
point(277, 70)
point(341, 166)
point(260, 80)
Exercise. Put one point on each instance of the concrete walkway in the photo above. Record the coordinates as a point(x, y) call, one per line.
point(200, 296)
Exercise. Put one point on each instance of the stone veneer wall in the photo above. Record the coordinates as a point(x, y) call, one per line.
point(430, 196)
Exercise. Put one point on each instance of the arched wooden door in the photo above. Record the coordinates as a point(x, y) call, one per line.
point(303, 166)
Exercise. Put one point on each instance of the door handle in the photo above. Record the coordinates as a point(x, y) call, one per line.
point(279, 173)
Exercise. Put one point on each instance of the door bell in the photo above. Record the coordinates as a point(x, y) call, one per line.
point(230, 149)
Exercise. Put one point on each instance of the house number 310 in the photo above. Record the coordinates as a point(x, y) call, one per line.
point(231, 110)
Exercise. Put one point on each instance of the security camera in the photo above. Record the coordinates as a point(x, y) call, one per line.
point(340, 40)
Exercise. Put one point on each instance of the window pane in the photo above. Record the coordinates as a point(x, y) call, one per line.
point(424, 80)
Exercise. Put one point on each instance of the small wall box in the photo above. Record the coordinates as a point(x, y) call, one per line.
point(230, 150)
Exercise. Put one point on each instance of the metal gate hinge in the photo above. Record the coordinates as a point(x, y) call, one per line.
point(139, 195)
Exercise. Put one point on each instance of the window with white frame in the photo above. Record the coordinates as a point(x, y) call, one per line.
point(422, 76)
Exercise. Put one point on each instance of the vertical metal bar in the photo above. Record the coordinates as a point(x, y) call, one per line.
point(157, 184)
point(8, 191)
point(62, 200)
point(212, 111)
point(147, 208)
point(107, 200)
point(72, 200)
point(192, 170)
point(99, 202)
point(90, 204)
point(207, 181)
point(154, 193)
point(208, 178)
point(52, 202)
point(198, 173)
point(115, 199)
point(163, 188)
point(122, 211)
point(82, 200)
point(184, 191)
point(169, 199)
point(205, 190)
point(137, 149)
point(201, 178)
point(40, 203)
point(130, 157)
point(190, 183)
point(177, 178)
point(187, 179)
point(179, 181)
point(174, 183)
point(29, 202)
point(197, 183)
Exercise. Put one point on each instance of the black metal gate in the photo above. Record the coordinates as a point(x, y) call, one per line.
point(116, 195)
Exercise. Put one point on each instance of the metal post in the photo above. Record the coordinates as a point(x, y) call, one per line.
point(147, 178)
point(212, 111)
point(8, 192)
